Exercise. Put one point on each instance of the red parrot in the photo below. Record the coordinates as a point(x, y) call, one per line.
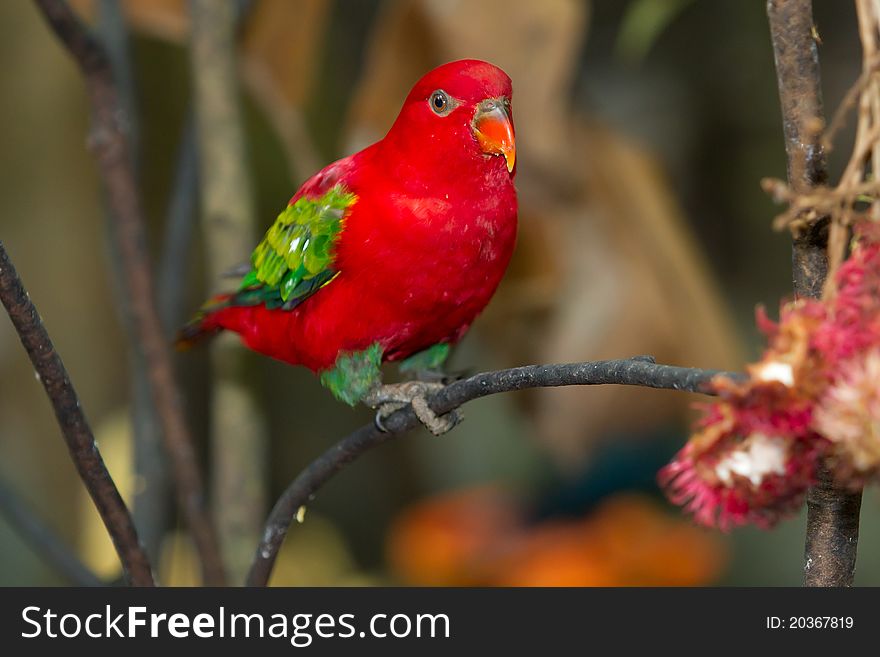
point(392, 252)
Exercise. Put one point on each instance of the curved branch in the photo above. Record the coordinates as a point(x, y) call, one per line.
point(636, 371)
point(110, 145)
point(74, 425)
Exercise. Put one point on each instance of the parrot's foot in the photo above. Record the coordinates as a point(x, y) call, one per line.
point(390, 398)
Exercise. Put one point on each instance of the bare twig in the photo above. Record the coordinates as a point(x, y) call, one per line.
point(112, 30)
point(149, 504)
point(111, 149)
point(152, 510)
point(638, 371)
point(45, 542)
point(74, 426)
point(832, 512)
point(849, 102)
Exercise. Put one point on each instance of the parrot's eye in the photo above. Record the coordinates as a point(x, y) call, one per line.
point(440, 103)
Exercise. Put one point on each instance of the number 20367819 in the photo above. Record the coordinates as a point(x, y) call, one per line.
point(810, 623)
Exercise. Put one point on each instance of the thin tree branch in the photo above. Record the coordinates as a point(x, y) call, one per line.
point(74, 426)
point(110, 146)
point(112, 30)
point(239, 444)
point(800, 95)
point(44, 540)
point(150, 502)
point(832, 512)
point(637, 371)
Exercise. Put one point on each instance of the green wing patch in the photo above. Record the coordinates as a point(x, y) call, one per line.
point(295, 258)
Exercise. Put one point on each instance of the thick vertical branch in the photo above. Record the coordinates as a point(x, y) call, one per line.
point(238, 438)
point(800, 95)
point(110, 146)
point(832, 512)
point(74, 427)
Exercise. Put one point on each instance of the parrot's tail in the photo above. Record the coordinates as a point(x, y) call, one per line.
point(204, 325)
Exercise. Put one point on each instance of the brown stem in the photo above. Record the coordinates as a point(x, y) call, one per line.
point(832, 512)
point(832, 534)
point(74, 426)
point(638, 371)
point(109, 142)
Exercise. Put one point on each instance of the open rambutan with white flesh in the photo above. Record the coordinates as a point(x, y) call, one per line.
point(750, 461)
point(814, 396)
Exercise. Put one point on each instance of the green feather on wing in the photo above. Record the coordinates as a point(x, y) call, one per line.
point(295, 258)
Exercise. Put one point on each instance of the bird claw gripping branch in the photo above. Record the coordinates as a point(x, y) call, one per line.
point(388, 399)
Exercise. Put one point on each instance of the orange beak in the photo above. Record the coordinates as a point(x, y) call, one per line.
point(494, 131)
